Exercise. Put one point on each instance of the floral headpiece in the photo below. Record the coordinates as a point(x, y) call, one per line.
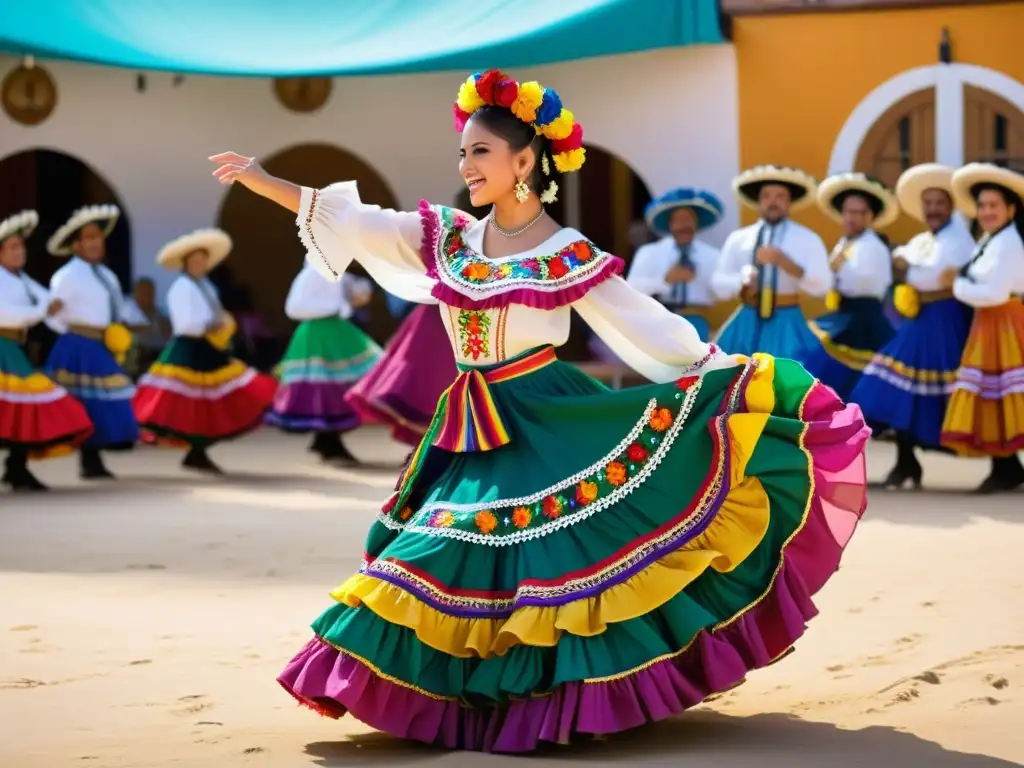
point(533, 104)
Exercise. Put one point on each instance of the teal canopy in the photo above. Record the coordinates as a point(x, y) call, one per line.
point(281, 38)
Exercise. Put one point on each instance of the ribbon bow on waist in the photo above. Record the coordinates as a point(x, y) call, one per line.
point(468, 418)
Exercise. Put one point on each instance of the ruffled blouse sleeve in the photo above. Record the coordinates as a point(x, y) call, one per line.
point(336, 227)
point(656, 343)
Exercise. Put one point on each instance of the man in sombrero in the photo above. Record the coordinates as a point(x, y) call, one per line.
point(676, 270)
point(907, 384)
point(767, 264)
point(86, 358)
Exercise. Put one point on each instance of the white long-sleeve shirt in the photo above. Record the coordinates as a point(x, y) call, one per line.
point(800, 244)
point(23, 301)
point(193, 305)
point(91, 294)
point(866, 270)
point(336, 228)
point(930, 254)
point(312, 296)
point(652, 262)
point(996, 273)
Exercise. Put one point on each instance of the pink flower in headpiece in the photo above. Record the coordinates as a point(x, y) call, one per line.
point(486, 85)
point(461, 117)
point(506, 92)
point(573, 141)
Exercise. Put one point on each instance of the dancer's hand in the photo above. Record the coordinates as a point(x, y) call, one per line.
point(55, 306)
point(232, 167)
point(947, 277)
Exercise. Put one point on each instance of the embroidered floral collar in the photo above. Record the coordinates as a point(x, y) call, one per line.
point(468, 280)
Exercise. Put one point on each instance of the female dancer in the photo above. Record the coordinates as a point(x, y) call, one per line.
point(986, 410)
point(561, 558)
point(195, 394)
point(38, 418)
point(907, 384)
point(856, 326)
point(326, 356)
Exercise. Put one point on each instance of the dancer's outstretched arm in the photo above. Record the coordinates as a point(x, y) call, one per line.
point(233, 167)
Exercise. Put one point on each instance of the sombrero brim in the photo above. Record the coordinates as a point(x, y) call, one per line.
point(802, 187)
point(658, 213)
point(973, 174)
point(913, 182)
point(833, 190)
point(104, 216)
point(215, 242)
point(21, 224)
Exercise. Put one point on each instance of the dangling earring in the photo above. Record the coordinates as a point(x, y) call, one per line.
point(522, 191)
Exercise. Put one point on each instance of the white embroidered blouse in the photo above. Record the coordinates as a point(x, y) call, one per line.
point(866, 270)
point(495, 309)
point(91, 294)
point(312, 297)
point(929, 255)
point(193, 305)
point(23, 301)
point(996, 272)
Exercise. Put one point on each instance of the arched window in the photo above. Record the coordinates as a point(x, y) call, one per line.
point(993, 129)
point(902, 137)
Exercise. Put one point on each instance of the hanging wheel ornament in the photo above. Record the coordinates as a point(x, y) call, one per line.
point(303, 94)
point(28, 94)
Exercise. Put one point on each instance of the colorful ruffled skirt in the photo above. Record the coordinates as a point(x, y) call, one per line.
point(785, 334)
point(36, 415)
point(324, 359)
point(196, 395)
point(402, 389)
point(985, 416)
point(906, 385)
point(623, 556)
point(90, 374)
point(848, 339)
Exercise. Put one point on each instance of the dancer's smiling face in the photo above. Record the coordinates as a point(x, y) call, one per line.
point(497, 150)
point(197, 263)
point(995, 209)
point(12, 253)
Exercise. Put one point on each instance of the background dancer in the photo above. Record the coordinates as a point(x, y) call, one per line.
point(38, 418)
point(196, 394)
point(87, 359)
point(327, 354)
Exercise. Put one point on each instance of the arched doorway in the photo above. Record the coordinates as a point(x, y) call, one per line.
point(603, 200)
point(993, 129)
point(55, 184)
point(267, 252)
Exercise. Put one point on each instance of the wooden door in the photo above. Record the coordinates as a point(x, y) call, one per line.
point(993, 129)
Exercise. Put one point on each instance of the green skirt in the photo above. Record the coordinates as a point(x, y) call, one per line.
point(626, 554)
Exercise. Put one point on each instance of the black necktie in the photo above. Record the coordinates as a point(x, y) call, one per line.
point(111, 297)
point(28, 289)
point(679, 289)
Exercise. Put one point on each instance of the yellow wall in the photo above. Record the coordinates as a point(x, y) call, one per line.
point(801, 75)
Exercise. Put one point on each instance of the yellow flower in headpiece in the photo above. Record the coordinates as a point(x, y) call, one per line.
point(469, 98)
point(560, 127)
point(567, 162)
point(531, 94)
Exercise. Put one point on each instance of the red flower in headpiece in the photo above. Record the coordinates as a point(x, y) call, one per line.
point(461, 117)
point(573, 141)
point(506, 92)
point(487, 83)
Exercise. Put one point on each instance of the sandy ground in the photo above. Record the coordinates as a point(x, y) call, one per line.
point(142, 624)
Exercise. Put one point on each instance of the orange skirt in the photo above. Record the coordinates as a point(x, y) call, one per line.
point(985, 416)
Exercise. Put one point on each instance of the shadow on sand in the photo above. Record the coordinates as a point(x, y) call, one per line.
point(704, 738)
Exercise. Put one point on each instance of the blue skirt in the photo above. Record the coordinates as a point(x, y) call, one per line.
point(907, 384)
point(848, 338)
point(784, 335)
point(87, 370)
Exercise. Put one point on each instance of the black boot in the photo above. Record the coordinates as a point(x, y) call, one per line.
point(196, 459)
point(1007, 475)
point(16, 474)
point(907, 467)
point(330, 447)
point(91, 465)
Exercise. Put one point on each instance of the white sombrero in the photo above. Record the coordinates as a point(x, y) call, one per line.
point(913, 182)
point(835, 189)
point(105, 216)
point(972, 175)
point(216, 243)
point(802, 186)
point(22, 224)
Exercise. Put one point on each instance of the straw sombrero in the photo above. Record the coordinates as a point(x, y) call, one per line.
point(967, 179)
point(835, 189)
point(22, 224)
point(802, 186)
point(707, 207)
point(105, 216)
point(913, 182)
point(216, 243)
